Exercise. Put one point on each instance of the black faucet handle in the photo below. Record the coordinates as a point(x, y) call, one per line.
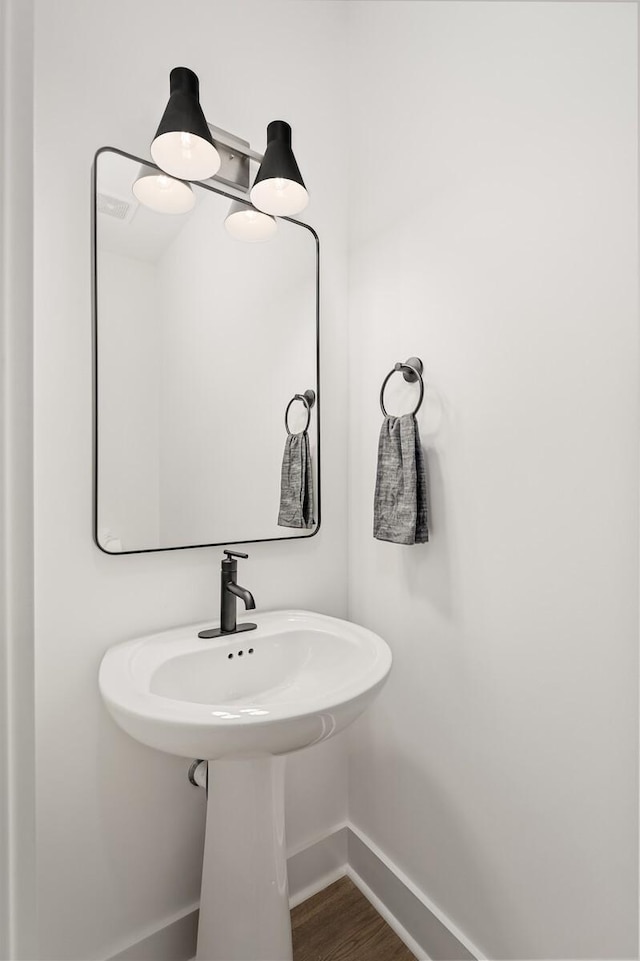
point(231, 554)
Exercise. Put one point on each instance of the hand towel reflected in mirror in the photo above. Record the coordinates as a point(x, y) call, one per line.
point(400, 502)
point(296, 483)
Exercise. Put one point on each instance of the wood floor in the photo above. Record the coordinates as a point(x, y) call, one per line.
point(339, 924)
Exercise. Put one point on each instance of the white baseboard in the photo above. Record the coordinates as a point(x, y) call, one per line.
point(426, 931)
point(424, 928)
point(174, 941)
point(315, 866)
point(416, 949)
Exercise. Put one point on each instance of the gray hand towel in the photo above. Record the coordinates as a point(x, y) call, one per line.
point(296, 483)
point(400, 502)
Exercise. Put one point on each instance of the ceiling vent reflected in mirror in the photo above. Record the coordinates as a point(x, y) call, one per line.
point(112, 206)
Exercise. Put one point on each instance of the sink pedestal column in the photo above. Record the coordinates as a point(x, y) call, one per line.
point(244, 904)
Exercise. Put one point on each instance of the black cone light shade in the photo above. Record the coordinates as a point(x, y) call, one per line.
point(279, 188)
point(183, 145)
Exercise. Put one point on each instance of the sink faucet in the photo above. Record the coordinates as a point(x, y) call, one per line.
point(229, 590)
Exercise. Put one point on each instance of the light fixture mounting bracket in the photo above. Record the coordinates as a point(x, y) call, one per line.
point(235, 155)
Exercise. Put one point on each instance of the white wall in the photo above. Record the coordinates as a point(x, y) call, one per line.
point(17, 765)
point(119, 828)
point(494, 226)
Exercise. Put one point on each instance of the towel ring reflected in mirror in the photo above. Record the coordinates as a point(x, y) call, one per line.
point(308, 399)
point(412, 372)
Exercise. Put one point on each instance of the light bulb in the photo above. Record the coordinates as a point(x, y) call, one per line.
point(279, 197)
point(185, 156)
point(252, 226)
point(163, 194)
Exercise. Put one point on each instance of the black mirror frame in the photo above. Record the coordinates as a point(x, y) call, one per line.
point(94, 310)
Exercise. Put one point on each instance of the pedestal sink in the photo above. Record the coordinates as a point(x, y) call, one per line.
point(241, 702)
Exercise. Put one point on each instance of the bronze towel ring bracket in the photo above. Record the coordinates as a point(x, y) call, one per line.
point(412, 372)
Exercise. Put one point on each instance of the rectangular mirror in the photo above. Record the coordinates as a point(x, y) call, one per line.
point(202, 342)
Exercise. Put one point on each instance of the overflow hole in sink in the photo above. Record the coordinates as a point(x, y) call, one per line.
point(240, 653)
point(229, 656)
point(250, 650)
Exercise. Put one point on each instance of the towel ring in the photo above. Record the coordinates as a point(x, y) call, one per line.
point(412, 372)
point(308, 399)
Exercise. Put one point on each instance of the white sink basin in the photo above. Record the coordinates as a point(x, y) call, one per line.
point(239, 701)
point(297, 679)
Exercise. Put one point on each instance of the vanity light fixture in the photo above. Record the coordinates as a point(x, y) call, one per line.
point(244, 222)
point(162, 193)
point(279, 188)
point(188, 148)
point(183, 146)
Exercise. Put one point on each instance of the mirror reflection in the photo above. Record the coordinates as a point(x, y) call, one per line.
point(206, 335)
